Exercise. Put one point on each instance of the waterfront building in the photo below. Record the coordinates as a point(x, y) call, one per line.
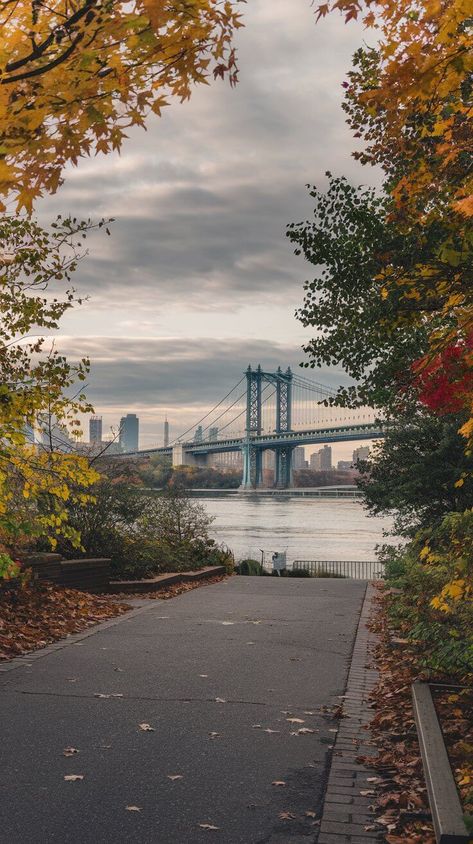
point(129, 432)
point(199, 434)
point(298, 458)
point(95, 429)
point(361, 453)
point(321, 461)
point(213, 434)
point(344, 465)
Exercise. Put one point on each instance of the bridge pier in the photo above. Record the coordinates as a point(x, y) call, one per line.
point(283, 471)
point(181, 457)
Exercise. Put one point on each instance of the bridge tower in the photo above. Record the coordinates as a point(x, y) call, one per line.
point(283, 454)
point(252, 452)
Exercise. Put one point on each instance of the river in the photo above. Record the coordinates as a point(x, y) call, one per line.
point(306, 528)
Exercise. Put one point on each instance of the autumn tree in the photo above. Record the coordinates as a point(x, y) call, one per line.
point(410, 99)
point(75, 76)
point(39, 398)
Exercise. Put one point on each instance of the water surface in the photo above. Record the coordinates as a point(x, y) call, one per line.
point(306, 528)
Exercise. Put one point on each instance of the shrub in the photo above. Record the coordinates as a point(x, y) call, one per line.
point(143, 534)
point(435, 608)
point(250, 567)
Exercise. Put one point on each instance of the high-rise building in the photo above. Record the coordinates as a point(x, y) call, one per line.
point(199, 434)
point(298, 458)
point(129, 432)
point(321, 461)
point(213, 434)
point(326, 458)
point(166, 433)
point(344, 465)
point(361, 453)
point(95, 429)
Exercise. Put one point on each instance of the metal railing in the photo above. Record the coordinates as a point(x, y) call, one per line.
point(353, 569)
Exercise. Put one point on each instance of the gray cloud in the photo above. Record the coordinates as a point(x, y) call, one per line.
point(203, 198)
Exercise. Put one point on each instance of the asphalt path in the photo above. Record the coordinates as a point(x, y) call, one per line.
point(217, 673)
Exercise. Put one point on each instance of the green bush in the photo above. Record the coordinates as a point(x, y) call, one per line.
point(250, 567)
point(434, 607)
point(144, 535)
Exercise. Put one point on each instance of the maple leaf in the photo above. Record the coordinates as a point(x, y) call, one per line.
point(146, 728)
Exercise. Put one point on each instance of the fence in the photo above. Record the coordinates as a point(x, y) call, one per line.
point(353, 569)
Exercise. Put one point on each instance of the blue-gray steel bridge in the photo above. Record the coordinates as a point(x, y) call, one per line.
point(277, 410)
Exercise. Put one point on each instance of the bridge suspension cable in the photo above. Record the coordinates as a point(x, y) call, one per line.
point(206, 415)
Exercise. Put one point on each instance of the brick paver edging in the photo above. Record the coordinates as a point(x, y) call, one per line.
point(346, 815)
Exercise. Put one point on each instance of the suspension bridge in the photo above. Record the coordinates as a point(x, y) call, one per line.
point(269, 410)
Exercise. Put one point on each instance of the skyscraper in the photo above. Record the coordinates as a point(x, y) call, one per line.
point(166, 432)
point(129, 432)
point(361, 453)
point(298, 458)
point(198, 436)
point(321, 461)
point(95, 429)
point(213, 434)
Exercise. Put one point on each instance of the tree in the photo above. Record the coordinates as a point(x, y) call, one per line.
point(410, 99)
point(75, 76)
point(357, 327)
point(37, 383)
point(412, 474)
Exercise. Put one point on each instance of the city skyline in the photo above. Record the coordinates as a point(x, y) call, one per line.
point(198, 279)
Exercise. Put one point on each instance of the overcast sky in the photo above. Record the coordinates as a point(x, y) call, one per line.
point(198, 279)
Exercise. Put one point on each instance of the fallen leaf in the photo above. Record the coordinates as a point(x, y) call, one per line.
point(278, 782)
point(133, 808)
point(208, 826)
point(203, 675)
point(70, 751)
point(304, 730)
point(286, 816)
point(268, 730)
point(366, 793)
point(175, 777)
point(214, 735)
point(73, 777)
point(97, 694)
point(146, 728)
point(295, 720)
point(310, 814)
point(220, 700)
point(256, 726)
point(227, 623)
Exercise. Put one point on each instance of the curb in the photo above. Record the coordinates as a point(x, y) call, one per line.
point(346, 815)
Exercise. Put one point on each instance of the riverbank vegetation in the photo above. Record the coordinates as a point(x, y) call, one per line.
point(144, 535)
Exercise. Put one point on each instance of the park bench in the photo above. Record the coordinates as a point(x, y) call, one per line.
point(444, 802)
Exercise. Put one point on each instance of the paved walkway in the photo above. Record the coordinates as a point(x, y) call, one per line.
point(217, 673)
